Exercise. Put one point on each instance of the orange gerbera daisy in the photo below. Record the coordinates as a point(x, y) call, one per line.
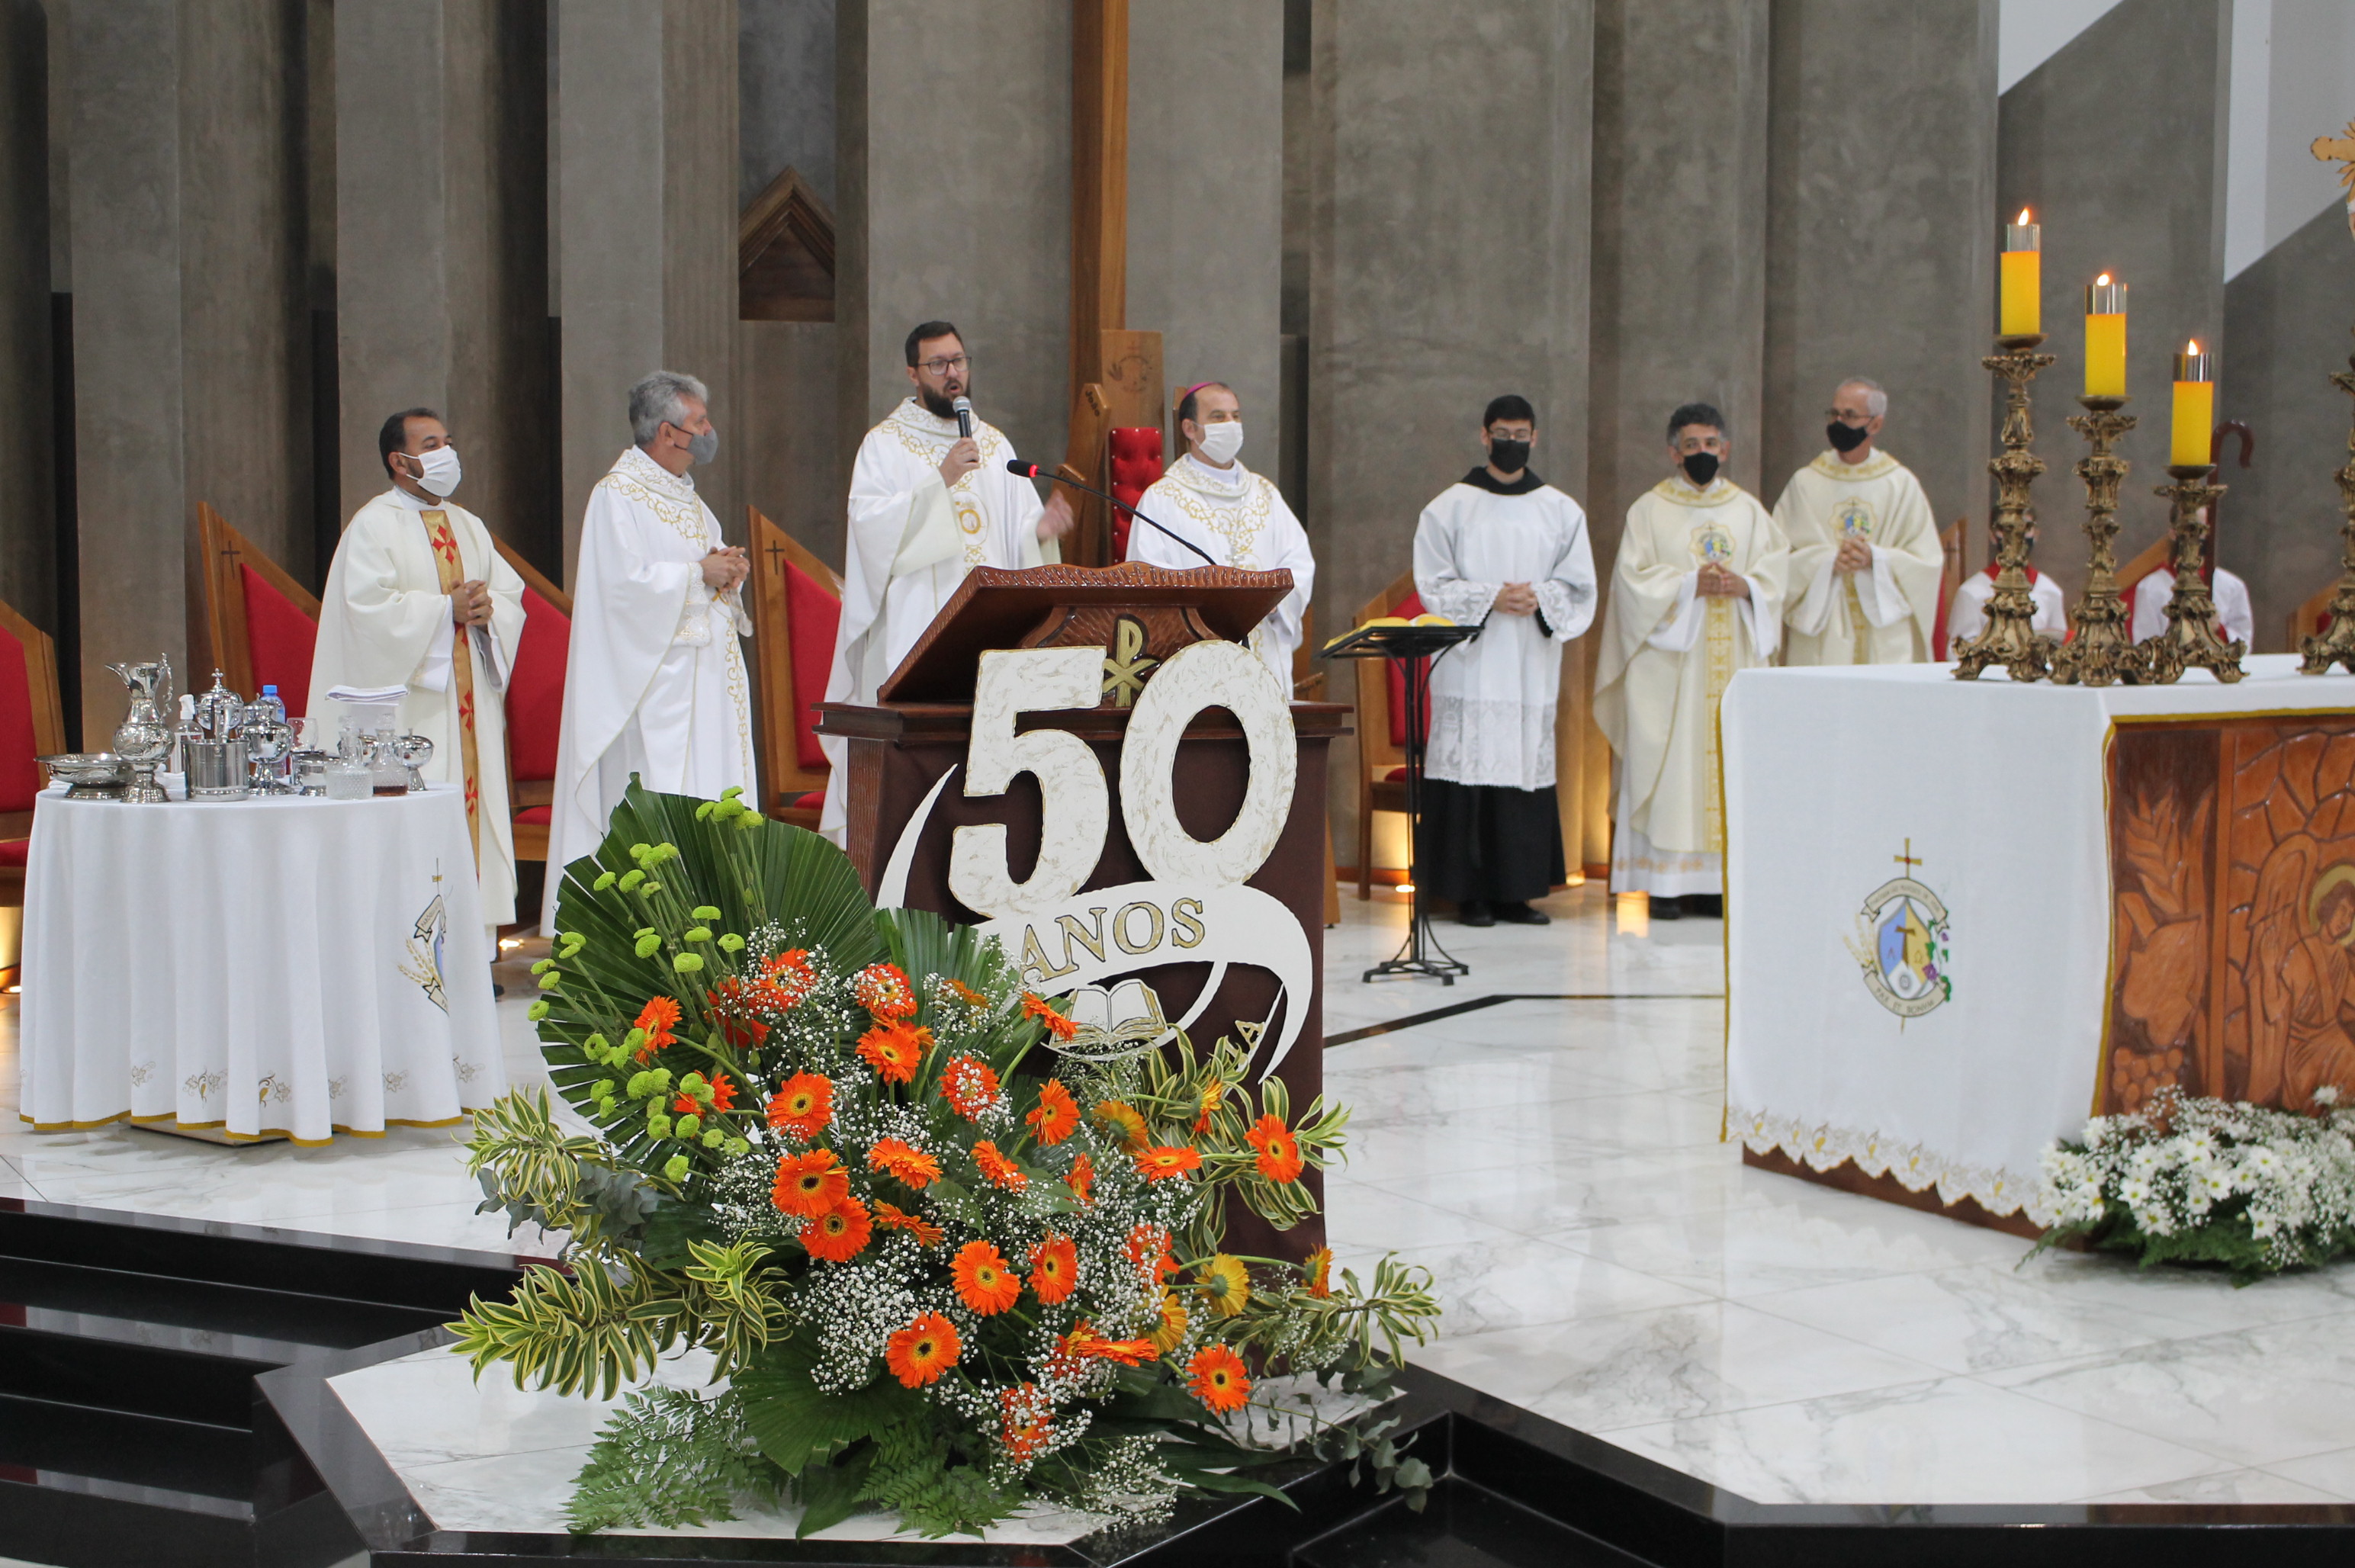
point(733, 1004)
point(803, 1105)
point(1148, 1247)
point(787, 977)
point(1121, 1117)
point(983, 1280)
point(903, 1162)
point(1319, 1268)
point(1084, 1344)
point(964, 993)
point(894, 1050)
point(1218, 1380)
point(809, 1184)
point(840, 1233)
point(1057, 1024)
point(1173, 1318)
point(1054, 1268)
point(656, 1018)
point(1212, 1093)
point(1001, 1171)
point(1058, 1116)
point(892, 1217)
point(883, 989)
point(1027, 1421)
point(1279, 1151)
point(723, 1098)
point(970, 1086)
point(922, 1350)
point(1080, 1178)
point(1162, 1164)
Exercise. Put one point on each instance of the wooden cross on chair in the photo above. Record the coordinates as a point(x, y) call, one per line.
point(2340, 150)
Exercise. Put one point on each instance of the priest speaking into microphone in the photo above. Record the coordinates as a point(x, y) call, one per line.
point(419, 598)
point(656, 683)
point(930, 499)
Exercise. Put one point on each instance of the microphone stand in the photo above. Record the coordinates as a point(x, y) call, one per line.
point(1033, 471)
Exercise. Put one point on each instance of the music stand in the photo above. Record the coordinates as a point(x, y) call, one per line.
point(1405, 645)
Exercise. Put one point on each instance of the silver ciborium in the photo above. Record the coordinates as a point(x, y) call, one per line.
point(142, 739)
point(414, 752)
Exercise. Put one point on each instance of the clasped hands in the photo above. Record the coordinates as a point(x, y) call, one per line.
point(1719, 582)
point(1516, 599)
point(725, 568)
point(1855, 555)
point(470, 604)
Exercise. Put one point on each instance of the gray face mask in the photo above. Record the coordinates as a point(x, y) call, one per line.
point(705, 447)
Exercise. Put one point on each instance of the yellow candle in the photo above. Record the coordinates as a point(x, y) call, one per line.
point(2195, 410)
point(2022, 310)
point(2105, 339)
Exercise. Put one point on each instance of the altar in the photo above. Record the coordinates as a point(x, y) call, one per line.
point(1961, 918)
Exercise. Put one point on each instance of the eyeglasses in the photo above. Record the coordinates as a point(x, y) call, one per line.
point(1847, 416)
point(943, 366)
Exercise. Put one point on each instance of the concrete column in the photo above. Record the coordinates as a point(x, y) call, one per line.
point(1448, 234)
point(1881, 234)
point(1205, 199)
point(954, 168)
point(1680, 127)
point(441, 249)
point(27, 498)
point(2117, 144)
point(646, 227)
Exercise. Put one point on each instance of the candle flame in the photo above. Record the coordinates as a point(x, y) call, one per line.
point(2102, 281)
point(2023, 216)
point(2191, 346)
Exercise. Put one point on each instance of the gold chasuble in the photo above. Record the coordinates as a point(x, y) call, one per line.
point(1667, 655)
point(453, 572)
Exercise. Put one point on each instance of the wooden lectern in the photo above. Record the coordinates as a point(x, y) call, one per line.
point(1141, 615)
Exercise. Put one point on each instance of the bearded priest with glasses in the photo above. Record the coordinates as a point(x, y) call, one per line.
point(928, 504)
point(1865, 553)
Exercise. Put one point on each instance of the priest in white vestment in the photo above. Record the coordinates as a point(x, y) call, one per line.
point(1698, 592)
point(1966, 616)
point(419, 597)
point(656, 684)
point(928, 504)
point(1235, 516)
point(1865, 553)
point(1502, 549)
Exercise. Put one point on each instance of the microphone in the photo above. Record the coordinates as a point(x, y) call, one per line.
point(1032, 471)
point(963, 407)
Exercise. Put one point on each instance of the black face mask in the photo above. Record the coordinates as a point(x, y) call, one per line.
point(1701, 467)
point(1847, 437)
point(1507, 456)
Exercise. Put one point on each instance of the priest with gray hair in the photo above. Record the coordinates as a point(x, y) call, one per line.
point(1866, 558)
point(656, 684)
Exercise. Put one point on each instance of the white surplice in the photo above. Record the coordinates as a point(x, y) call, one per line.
point(1493, 700)
point(1236, 517)
point(1966, 616)
point(2230, 594)
point(912, 538)
point(654, 684)
point(384, 621)
point(1887, 614)
point(1667, 655)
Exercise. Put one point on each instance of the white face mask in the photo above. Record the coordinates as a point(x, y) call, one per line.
point(1221, 442)
point(441, 476)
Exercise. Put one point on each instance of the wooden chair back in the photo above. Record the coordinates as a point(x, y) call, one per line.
point(32, 718)
point(2309, 618)
point(260, 624)
point(1957, 543)
point(796, 608)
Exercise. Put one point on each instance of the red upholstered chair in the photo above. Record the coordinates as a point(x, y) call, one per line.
point(796, 607)
point(262, 624)
point(1381, 725)
point(32, 724)
point(535, 709)
point(1137, 464)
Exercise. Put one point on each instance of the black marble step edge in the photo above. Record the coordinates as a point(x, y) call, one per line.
point(131, 1307)
point(83, 1529)
point(122, 1448)
point(1654, 1514)
point(291, 1262)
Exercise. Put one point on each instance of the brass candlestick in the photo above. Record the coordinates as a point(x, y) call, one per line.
point(2102, 652)
point(2011, 638)
point(2336, 643)
point(2190, 641)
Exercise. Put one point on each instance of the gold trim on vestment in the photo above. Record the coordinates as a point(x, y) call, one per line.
point(442, 543)
point(1830, 466)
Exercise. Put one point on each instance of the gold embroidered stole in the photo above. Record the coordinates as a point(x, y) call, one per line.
point(443, 542)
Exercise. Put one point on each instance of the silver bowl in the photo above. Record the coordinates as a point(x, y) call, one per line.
point(95, 775)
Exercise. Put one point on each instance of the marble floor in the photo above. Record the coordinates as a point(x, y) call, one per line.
point(1604, 1259)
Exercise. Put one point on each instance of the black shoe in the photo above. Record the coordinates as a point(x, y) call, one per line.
point(1522, 914)
point(497, 990)
point(1667, 909)
point(1472, 912)
point(1704, 906)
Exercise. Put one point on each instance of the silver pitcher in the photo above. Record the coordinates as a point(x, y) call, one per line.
point(143, 739)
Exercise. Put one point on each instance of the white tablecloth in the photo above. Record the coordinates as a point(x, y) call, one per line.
point(280, 966)
point(1835, 780)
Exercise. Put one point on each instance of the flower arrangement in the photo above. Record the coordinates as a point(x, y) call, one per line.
point(940, 1267)
point(2196, 1180)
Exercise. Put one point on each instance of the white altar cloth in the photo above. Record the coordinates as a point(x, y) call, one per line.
point(1834, 779)
point(283, 966)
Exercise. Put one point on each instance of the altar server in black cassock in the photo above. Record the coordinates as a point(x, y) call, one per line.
point(1501, 550)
